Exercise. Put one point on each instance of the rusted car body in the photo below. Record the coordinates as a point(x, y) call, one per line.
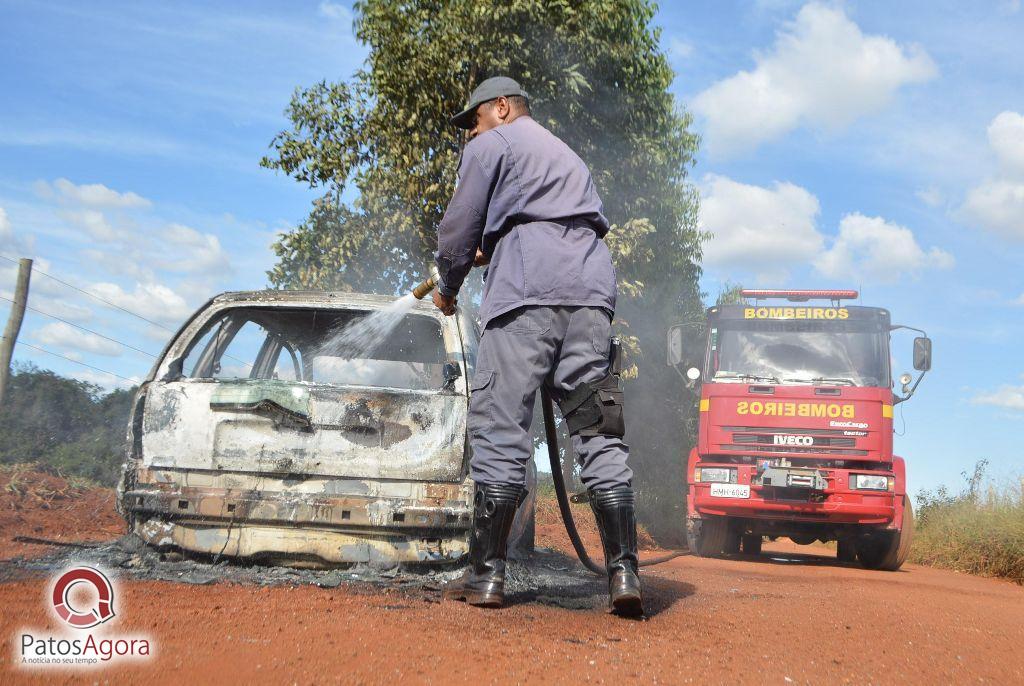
point(252, 438)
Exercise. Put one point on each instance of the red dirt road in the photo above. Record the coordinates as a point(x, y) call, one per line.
point(781, 618)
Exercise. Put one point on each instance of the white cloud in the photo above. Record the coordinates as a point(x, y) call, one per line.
point(822, 72)
point(13, 243)
point(194, 252)
point(1006, 137)
point(767, 231)
point(1019, 300)
point(997, 203)
point(333, 10)
point(931, 196)
point(94, 222)
point(873, 248)
point(150, 300)
point(90, 194)
point(1008, 397)
point(61, 335)
point(59, 306)
point(6, 232)
point(753, 226)
point(679, 49)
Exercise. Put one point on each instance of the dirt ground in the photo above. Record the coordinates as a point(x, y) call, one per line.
point(782, 618)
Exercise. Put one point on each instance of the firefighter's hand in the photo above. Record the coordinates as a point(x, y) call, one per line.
point(481, 259)
point(444, 303)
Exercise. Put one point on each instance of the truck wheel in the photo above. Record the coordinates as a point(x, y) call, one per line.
point(752, 544)
point(888, 550)
point(846, 551)
point(732, 544)
point(707, 536)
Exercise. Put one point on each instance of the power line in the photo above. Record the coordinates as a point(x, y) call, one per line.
point(78, 326)
point(93, 295)
point(105, 302)
point(70, 359)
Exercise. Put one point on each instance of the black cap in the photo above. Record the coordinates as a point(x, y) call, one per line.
point(492, 88)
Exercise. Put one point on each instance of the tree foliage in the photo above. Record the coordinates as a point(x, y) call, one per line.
point(381, 148)
point(64, 424)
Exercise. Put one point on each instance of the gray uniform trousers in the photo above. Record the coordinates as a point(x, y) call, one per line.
point(561, 347)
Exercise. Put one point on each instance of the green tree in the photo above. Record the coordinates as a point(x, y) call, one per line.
point(730, 294)
point(64, 424)
point(381, 148)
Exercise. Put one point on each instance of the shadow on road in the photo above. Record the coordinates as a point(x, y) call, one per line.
point(553, 578)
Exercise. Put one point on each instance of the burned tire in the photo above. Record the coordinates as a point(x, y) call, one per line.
point(708, 536)
point(888, 550)
point(752, 544)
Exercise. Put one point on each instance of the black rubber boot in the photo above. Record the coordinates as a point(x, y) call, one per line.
point(483, 584)
point(615, 511)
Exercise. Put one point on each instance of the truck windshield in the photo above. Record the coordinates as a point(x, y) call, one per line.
point(798, 352)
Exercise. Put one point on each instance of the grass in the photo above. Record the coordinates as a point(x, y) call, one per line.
point(40, 482)
point(979, 530)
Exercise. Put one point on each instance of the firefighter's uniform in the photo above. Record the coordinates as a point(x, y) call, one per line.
point(529, 203)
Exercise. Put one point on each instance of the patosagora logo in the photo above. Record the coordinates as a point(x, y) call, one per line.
point(102, 611)
point(83, 599)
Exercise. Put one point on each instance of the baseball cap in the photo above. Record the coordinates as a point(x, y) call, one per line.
point(489, 89)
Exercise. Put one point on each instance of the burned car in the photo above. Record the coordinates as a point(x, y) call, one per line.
point(252, 437)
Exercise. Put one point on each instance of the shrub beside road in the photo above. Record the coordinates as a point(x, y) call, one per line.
point(979, 530)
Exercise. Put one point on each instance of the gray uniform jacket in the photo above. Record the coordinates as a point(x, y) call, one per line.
point(528, 201)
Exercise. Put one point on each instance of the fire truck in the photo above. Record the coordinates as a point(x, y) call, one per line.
point(795, 427)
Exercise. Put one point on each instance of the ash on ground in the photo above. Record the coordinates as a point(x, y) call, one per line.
point(546, 577)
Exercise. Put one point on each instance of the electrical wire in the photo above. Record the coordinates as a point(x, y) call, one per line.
point(71, 359)
point(78, 326)
point(35, 270)
point(93, 295)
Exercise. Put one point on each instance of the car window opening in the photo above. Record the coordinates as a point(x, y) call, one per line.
point(251, 343)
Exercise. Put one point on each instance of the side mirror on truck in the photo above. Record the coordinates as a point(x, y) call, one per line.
point(675, 345)
point(922, 353)
point(922, 362)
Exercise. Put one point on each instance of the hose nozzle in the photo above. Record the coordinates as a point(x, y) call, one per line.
point(421, 291)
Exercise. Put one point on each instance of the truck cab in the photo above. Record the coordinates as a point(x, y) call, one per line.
point(795, 428)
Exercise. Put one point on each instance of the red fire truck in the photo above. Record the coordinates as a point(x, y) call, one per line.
point(795, 428)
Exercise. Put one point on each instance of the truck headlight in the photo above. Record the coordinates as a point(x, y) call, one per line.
point(870, 482)
point(720, 475)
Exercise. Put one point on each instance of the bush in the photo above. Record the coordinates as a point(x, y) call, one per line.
point(66, 426)
point(973, 531)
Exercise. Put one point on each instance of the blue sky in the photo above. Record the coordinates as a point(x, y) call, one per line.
point(878, 146)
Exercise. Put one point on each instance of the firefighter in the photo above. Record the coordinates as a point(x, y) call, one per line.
point(526, 206)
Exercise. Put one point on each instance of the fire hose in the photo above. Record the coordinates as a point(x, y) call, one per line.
point(551, 438)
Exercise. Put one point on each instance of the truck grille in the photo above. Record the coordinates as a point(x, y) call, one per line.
point(760, 439)
point(824, 441)
point(755, 448)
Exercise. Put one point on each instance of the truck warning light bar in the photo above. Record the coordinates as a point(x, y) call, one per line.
point(798, 296)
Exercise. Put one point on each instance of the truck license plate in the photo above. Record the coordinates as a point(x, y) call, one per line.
point(730, 490)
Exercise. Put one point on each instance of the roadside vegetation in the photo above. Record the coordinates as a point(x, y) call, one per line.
point(979, 530)
point(66, 427)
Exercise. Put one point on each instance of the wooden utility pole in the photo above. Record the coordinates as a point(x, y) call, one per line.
point(14, 323)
